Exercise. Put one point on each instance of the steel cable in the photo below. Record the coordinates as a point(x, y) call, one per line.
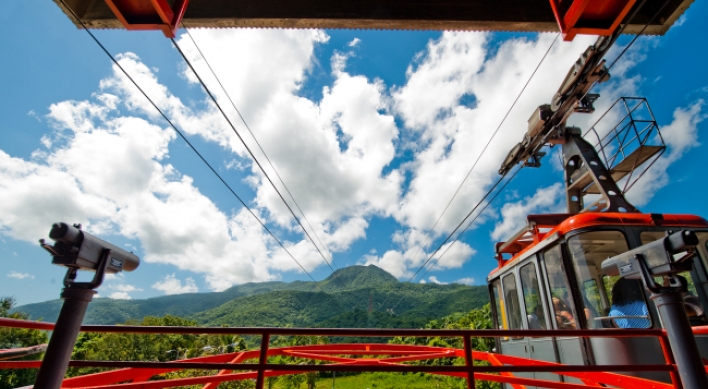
point(248, 149)
point(238, 112)
point(191, 146)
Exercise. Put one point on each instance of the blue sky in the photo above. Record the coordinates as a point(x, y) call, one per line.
point(372, 131)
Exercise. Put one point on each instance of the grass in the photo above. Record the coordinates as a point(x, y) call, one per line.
point(388, 381)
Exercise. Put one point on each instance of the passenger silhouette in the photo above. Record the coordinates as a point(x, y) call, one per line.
point(628, 300)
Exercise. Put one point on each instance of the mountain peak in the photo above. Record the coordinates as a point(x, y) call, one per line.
point(358, 276)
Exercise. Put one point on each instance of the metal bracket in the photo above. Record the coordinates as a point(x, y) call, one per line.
point(149, 14)
point(584, 167)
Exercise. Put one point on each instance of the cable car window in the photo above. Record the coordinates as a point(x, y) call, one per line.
point(593, 303)
point(499, 304)
point(558, 285)
point(587, 251)
point(511, 298)
point(535, 316)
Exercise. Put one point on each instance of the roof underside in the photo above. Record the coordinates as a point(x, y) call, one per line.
point(470, 15)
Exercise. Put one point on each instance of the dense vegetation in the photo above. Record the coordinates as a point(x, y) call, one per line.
point(356, 297)
point(17, 338)
point(341, 300)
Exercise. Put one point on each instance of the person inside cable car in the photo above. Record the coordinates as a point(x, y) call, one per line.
point(628, 305)
point(564, 317)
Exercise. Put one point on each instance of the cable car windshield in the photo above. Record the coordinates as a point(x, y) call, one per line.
point(606, 302)
point(611, 302)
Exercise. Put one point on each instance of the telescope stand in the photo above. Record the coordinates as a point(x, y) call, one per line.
point(76, 296)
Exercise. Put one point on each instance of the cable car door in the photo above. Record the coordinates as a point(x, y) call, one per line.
point(570, 349)
point(536, 308)
point(515, 346)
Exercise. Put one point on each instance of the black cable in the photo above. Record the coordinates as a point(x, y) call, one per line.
point(463, 231)
point(427, 236)
point(218, 106)
point(206, 61)
point(185, 138)
point(470, 223)
point(631, 17)
point(636, 36)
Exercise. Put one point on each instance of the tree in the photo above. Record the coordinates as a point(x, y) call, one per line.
point(15, 338)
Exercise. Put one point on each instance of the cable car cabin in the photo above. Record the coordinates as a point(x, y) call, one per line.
point(550, 277)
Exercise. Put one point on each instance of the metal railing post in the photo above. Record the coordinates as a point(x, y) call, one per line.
point(262, 360)
point(469, 362)
point(666, 350)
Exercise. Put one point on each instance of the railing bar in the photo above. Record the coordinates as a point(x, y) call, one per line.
point(359, 367)
point(263, 360)
point(469, 362)
point(602, 333)
point(668, 356)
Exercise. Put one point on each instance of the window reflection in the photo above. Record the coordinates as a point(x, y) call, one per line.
point(560, 296)
point(535, 316)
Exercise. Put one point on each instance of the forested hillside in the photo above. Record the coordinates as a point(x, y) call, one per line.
point(357, 296)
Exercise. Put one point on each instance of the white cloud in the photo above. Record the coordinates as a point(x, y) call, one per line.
point(680, 136)
point(337, 148)
point(354, 42)
point(435, 280)
point(124, 288)
point(465, 281)
point(33, 114)
point(405, 263)
point(120, 296)
point(513, 215)
point(454, 98)
point(171, 285)
point(335, 160)
point(20, 276)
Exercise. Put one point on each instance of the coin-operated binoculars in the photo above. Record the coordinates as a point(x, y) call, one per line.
point(665, 258)
point(76, 250)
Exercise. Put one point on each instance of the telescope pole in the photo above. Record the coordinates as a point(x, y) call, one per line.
point(683, 344)
point(56, 359)
point(76, 296)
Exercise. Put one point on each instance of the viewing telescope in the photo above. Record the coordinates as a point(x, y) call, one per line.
point(666, 256)
point(74, 248)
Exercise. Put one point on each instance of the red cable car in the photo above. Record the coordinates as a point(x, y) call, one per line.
point(553, 274)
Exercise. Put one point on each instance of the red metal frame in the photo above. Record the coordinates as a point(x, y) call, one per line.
point(357, 357)
point(592, 17)
point(149, 14)
point(540, 227)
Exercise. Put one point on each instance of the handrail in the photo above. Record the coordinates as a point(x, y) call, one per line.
point(342, 357)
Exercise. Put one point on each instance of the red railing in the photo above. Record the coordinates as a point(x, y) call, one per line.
point(359, 357)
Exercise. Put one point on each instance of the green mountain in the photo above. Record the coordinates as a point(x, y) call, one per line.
point(356, 296)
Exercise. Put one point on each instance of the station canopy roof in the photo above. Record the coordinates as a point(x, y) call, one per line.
point(469, 15)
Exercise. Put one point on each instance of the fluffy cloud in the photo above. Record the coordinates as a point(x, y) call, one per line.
point(120, 296)
point(106, 164)
point(465, 281)
point(435, 280)
point(513, 215)
point(680, 136)
point(337, 148)
point(171, 285)
point(106, 170)
point(20, 276)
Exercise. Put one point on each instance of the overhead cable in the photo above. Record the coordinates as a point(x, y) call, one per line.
point(434, 262)
point(484, 149)
point(191, 146)
point(238, 112)
point(255, 160)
